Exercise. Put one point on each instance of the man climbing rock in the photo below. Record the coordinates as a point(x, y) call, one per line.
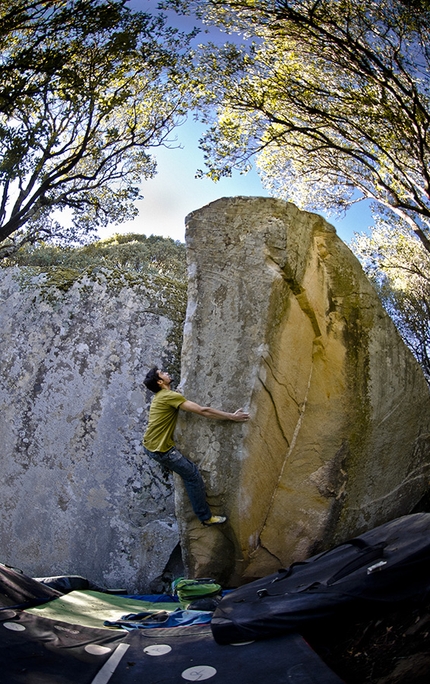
point(158, 440)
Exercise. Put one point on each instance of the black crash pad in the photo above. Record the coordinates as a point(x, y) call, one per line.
point(36, 650)
point(386, 566)
point(16, 589)
point(180, 654)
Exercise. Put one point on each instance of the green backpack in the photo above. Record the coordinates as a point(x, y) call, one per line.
point(191, 589)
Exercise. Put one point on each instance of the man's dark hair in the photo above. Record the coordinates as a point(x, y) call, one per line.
point(151, 380)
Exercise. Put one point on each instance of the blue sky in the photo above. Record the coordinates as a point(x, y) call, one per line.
point(175, 192)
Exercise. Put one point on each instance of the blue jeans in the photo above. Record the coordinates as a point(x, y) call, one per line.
point(193, 481)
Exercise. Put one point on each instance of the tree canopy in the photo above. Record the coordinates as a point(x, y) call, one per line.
point(333, 96)
point(399, 267)
point(87, 88)
point(129, 253)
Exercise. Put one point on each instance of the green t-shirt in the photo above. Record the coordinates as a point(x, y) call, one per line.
point(163, 415)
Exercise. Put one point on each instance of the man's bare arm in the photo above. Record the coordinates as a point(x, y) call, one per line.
point(238, 416)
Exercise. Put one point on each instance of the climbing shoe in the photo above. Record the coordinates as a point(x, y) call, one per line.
point(215, 520)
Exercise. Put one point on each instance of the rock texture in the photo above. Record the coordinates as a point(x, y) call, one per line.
point(282, 321)
point(77, 495)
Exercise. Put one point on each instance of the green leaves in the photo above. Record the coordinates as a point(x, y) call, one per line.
point(399, 266)
point(88, 88)
point(332, 97)
point(130, 254)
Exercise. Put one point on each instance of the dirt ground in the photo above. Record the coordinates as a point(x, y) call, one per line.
point(393, 649)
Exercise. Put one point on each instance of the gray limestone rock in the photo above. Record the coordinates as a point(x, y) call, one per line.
point(77, 494)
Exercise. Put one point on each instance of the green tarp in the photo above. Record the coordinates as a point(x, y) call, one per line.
point(91, 608)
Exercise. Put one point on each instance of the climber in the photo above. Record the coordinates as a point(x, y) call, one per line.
point(158, 440)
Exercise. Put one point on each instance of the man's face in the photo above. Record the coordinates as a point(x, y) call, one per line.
point(165, 377)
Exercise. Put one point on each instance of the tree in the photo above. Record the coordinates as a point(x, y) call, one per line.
point(127, 253)
point(333, 96)
point(87, 89)
point(399, 267)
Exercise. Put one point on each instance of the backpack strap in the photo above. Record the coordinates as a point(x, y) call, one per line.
point(366, 554)
point(365, 557)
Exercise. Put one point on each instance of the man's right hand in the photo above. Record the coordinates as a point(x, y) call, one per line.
point(240, 416)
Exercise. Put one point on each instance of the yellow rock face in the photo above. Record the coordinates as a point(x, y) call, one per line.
point(283, 322)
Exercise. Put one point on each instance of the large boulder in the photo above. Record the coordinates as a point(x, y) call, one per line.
point(282, 321)
point(77, 494)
